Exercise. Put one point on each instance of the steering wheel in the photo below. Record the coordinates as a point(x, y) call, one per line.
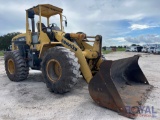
point(53, 25)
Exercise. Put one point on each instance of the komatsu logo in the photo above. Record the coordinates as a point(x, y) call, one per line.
point(70, 45)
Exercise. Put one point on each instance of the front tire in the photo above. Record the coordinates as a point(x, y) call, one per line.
point(60, 69)
point(15, 66)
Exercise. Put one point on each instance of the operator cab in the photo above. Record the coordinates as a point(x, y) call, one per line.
point(44, 13)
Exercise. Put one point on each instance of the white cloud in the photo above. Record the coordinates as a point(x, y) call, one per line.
point(151, 38)
point(91, 16)
point(119, 39)
point(96, 14)
point(140, 27)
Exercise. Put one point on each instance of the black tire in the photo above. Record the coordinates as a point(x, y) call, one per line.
point(20, 69)
point(68, 69)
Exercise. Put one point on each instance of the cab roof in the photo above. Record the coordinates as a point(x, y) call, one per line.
point(47, 10)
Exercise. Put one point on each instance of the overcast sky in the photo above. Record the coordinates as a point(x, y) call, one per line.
point(120, 22)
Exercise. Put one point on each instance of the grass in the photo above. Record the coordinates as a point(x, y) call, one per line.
point(110, 51)
point(106, 51)
point(121, 49)
point(1, 53)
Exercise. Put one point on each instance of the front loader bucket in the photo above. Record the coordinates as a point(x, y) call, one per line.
point(120, 86)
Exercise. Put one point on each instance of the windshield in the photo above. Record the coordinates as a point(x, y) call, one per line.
point(55, 20)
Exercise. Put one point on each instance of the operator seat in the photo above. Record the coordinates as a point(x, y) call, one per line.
point(44, 29)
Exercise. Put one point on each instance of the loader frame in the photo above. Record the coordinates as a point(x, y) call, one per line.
point(82, 49)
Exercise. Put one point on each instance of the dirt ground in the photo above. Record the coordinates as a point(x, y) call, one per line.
point(31, 100)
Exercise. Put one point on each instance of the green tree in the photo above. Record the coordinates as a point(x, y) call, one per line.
point(5, 40)
point(104, 47)
point(133, 45)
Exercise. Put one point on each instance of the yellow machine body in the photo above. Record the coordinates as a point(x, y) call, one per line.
point(86, 50)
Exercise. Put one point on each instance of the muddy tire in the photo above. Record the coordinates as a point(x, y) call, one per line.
point(15, 66)
point(60, 69)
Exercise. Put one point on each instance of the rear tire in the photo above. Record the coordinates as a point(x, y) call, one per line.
point(15, 66)
point(60, 69)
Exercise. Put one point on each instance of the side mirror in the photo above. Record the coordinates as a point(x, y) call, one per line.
point(66, 23)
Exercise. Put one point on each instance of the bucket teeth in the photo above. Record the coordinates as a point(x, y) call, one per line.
point(120, 84)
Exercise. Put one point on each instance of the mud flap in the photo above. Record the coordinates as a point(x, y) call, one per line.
point(120, 86)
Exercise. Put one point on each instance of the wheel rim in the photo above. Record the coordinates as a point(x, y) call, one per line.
point(54, 70)
point(11, 66)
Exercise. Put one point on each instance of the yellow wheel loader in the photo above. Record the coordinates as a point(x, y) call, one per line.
point(62, 56)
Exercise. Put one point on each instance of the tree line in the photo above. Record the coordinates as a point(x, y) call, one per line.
point(5, 40)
